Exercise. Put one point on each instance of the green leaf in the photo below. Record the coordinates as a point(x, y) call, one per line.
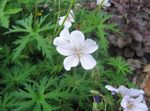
point(6, 14)
point(12, 11)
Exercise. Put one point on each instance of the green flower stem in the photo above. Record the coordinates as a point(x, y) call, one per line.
point(70, 7)
point(100, 6)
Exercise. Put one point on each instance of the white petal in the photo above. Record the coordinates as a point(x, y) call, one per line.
point(77, 38)
point(90, 46)
point(123, 90)
point(65, 34)
point(124, 101)
point(67, 24)
point(110, 88)
point(71, 61)
point(138, 99)
point(131, 92)
point(58, 41)
point(136, 92)
point(71, 16)
point(61, 20)
point(65, 49)
point(107, 4)
point(141, 107)
point(87, 61)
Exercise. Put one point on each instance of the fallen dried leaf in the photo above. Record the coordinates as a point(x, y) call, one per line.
point(147, 68)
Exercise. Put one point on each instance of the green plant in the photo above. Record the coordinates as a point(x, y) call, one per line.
point(17, 75)
point(99, 24)
point(33, 32)
point(44, 95)
point(6, 12)
point(6, 102)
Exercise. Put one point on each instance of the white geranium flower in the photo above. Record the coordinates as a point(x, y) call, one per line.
point(125, 91)
point(69, 20)
point(133, 104)
point(105, 3)
point(76, 48)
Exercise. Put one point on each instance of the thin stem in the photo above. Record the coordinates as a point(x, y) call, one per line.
point(70, 7)
point(57, 16)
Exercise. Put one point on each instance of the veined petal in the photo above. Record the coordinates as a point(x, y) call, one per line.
point(131, 92)
point(77, 38)
point(124, 101)
point(123, 90)
point(71, 61)
point(110, 88)
point(65, 34)
point(89, 46)
point(87, 61)
point(141, 107)
point(136, 92)
point(71, 16)
point(138, 99)
point(65, 49)
point(58, 41)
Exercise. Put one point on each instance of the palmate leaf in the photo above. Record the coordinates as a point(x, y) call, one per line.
point(120, 65)
point(22, 42)
point(6, 102)
point(42, 95)
point(17, 75)
point(32, 35)
point(6, 13)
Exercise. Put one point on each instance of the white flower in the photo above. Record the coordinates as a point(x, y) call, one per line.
point(69, 20)
point(133, 104)
point(76, 48)
point(105, 3)
point(125, 91)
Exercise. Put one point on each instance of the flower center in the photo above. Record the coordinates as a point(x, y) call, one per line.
point(130, 106)
point(77, 51)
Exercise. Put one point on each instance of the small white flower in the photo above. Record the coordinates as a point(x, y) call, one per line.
point(133, 104)
point(125, 91)
point(76, 48)
point(69, 20)
point(105, 3)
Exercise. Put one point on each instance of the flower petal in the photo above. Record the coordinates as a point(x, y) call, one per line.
point(58, 41)
point(124, 101)
point(77, 38)
point(123, 90)
point(65, 34)
point(131, 92)
point(67, 24)
point(71, 16)
point(136, 92)
point(90, 46)
point(139, 99)
point(71, 61)
point(61, 20)
point(110, 88)
point(65, 48)
point(87, 61)
point(141, 107)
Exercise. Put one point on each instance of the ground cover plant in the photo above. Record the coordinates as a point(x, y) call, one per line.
point(55, 56)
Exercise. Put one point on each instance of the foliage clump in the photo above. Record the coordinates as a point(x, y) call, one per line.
point(32, 77)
